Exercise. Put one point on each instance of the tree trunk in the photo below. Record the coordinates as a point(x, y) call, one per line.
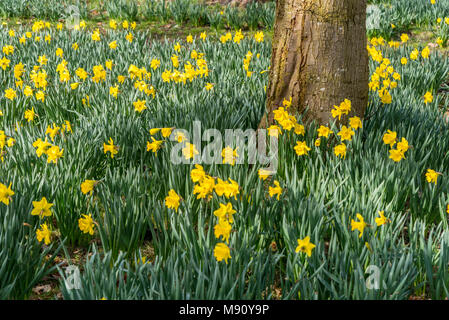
point(319, 57)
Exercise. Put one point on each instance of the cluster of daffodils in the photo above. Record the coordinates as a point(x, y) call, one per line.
point(345, 133)
point(140, 74)
point(226, 37)
point(223, 229)
point(5, 141)
point(343, 109)
point(189, 150)
point(155, 145)
point(246, 62)
point(37, 26)
point(114, 24)
point(191, 71)
point(61, 68)
point(390, 138)
point(34, 86)
point(304, 245)
point(275, 190)
point(99, 73)
point(204, 186)
point(442, 31)
point(54, 130)
point(86, 222)
point(53, 152)
point(238, 36)
point(384, 79)
point(38, 80)
point(288, 122)
point(360, 225)
point(425, 53)
point(258, 36)
point(42, 209)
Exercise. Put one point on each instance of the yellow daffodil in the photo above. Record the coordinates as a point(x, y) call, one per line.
point(301, 148)
point(358, 225)
point(86, 224)
point(110, 148)
point(6, 193)
point(304, 245)
point(172, 200)
point(41, 208)
point(44, 234)
point(432, 176)
point(382, 219)
point(276, 190)
point(222, 252)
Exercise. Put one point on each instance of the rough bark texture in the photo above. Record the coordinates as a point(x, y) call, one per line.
point(319, 57)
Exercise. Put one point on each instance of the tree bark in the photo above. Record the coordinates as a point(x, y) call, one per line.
point(319, 58)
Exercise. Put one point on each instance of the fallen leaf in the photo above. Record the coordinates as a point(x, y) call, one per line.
point(42, 289)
